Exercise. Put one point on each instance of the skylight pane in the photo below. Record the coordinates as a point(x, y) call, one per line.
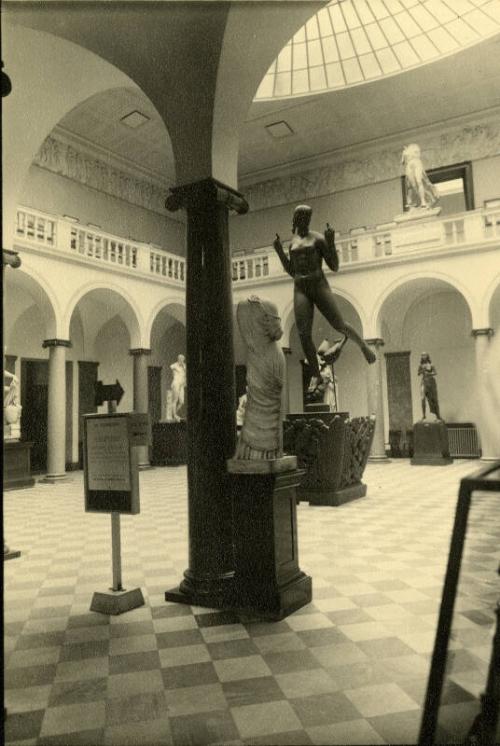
point(300, 81)
point(442, 39)
point(352, 71)
point(299, 56)
point(459, 6)
point(392, 32)
point(370, 66)
point(364, 12)
point(406, 54)
point(315, 53)
point(312, 31)
point(493, 10)
point(317, 77)
point(334, 75)
point(377, 38)
point(407, 24)
point(350, 15)
point(360, 40)
point(345, 46)
point(283, 85)
point(285, 59)
point(330, 50)
point(325, 27)
point(265, 90)
point(462, 31)
point(378, 9)
point(300, 36)
point(338, 22)
point(440, 11)
point(393, 6)
point(388, 61)
point(479, 21)
point(424, 47)
point(424, 19)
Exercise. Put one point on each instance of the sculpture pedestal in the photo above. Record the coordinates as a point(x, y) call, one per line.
point(268, 581)
point(17, 465)
point(169, 443)
point(430, 443)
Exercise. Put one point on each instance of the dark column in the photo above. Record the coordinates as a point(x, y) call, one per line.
point(140, 356)
point(211, 431)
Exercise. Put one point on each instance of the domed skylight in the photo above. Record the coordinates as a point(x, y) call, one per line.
point(354, 41)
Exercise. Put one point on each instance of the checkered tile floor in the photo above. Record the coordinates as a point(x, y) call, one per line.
point(351, 668)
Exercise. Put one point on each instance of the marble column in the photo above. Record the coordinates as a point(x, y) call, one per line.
point(141, 398)
point(487, 420)
point(56, 416)
point(211, 434)
point(376, 401)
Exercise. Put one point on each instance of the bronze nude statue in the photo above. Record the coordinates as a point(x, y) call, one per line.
point(428, 386)
point(311, 289)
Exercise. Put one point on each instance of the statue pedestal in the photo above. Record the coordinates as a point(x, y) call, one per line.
point(17, 465)
point(430, 443)
point(417, 213)
point(268, 582)
point(169, 443)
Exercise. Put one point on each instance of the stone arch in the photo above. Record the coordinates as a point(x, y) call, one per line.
point(491, 304)
point(422, 276)
point(175, 308)
point(25, 281)
point(116, 300)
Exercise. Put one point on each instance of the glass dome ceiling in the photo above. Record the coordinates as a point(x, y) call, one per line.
point(350, 42)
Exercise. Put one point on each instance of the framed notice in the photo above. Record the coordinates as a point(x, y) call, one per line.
point(110, 464)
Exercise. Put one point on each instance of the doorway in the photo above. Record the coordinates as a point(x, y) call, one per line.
point(34, 401)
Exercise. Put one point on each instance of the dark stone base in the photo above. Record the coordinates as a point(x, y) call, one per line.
point(218, 598)
point(332, 497)
point(268, 581)
point(16, 465)
point(431, 447)
point(169, 446)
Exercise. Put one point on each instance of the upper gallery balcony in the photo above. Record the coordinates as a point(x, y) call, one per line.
point(62, 237)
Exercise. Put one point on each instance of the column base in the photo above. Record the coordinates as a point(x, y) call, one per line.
point(116, 602)
point(489, 459)
point(331, 497)
point(54, 479)
point(219, 596)
point(145, 467)
point(379, 459)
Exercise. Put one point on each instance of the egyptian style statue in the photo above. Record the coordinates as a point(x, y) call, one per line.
point(311, 290)
point(419, 190)
point(178, 386)
point(428, 386)
point(261, 433)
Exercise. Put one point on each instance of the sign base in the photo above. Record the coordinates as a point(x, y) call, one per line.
point(116, 602)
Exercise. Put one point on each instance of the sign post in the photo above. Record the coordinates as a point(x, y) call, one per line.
point(111, 478)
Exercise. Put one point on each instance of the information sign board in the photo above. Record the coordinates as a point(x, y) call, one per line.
point(110, 464)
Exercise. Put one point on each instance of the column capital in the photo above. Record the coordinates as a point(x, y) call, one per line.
point(56, 343)
point(10, 258)
point(375, 341)
point(206, 191)
point(287, 350)
point(140, 351)
point(487, 331)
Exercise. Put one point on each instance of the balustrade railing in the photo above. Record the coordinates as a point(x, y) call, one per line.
point(381, 243)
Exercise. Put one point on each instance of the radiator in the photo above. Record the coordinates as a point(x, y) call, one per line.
point(463, 440)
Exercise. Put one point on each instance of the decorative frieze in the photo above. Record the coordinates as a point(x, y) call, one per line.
point(371, 164)
point(65, 159)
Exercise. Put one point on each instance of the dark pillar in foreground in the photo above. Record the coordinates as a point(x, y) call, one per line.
point(211, 425)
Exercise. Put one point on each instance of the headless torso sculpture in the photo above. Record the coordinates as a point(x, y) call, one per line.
point(311, 289)
point(178, 385)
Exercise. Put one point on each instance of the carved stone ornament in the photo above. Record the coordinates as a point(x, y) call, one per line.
point(59, 157)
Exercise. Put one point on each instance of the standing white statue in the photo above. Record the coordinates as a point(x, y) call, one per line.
point(419, 191)
point(11, 407)
point(261, 435)
point(178, 385)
